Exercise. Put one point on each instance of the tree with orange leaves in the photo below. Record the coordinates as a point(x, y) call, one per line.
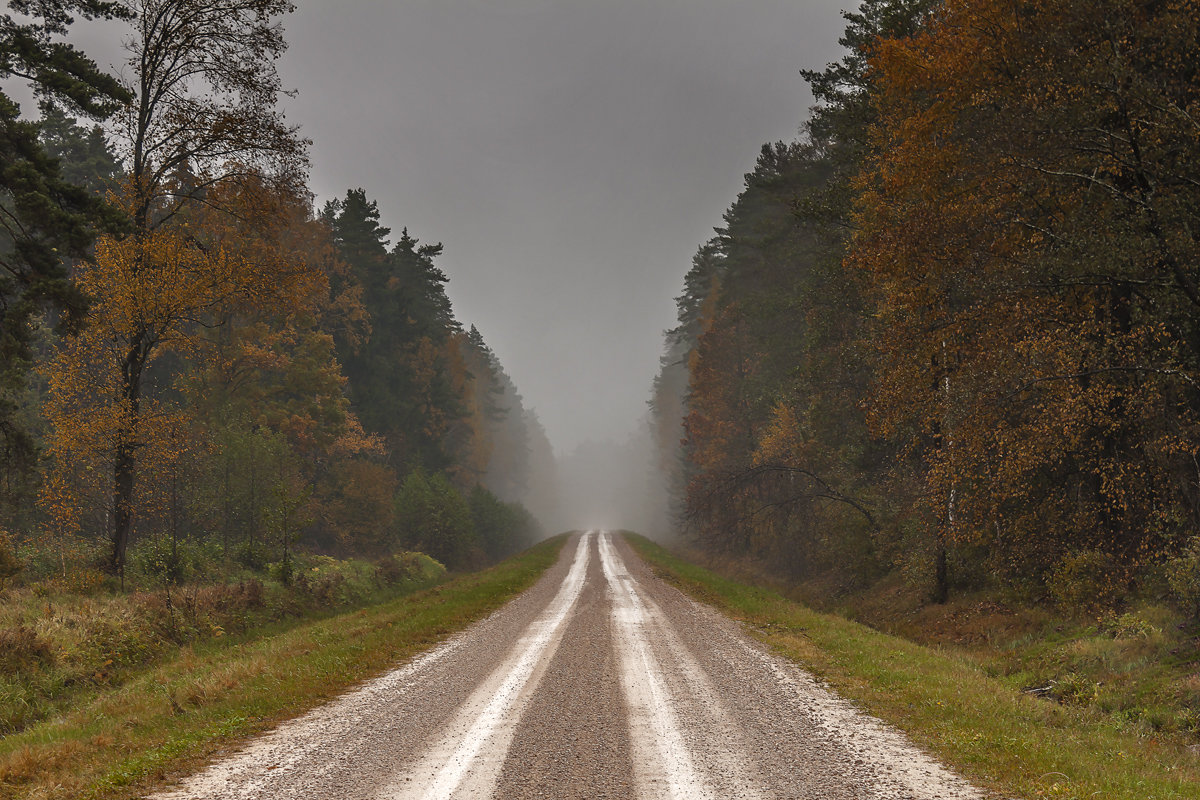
point(109, 411)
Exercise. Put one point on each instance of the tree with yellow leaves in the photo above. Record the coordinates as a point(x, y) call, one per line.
point(202, 128)
point(156, 295)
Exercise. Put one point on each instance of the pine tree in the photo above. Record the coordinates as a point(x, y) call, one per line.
point(46, 217)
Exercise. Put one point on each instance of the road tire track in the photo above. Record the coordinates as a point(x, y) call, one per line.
point(807, 743)
point(666, 763)
point(573, 742)
point(465, 761)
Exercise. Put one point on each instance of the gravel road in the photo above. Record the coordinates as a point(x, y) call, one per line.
point(601, 681)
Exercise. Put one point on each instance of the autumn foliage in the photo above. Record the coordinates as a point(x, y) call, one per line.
point(957, 327)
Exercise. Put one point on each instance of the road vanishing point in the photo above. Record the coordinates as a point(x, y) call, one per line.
point(600, 681)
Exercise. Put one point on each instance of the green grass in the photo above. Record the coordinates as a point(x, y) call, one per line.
point(122, 740)
point(1005, 741)
point(1139, 666)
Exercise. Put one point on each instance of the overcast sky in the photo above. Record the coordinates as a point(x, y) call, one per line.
point(571, 155)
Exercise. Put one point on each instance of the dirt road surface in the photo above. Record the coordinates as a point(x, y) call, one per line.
point(601, 681)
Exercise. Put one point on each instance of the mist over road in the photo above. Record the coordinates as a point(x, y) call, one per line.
point(601, 681)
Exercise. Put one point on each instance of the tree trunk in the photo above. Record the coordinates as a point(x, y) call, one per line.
point(124, 462)
point(941, 576)
point(945, 438)
point(122, 506)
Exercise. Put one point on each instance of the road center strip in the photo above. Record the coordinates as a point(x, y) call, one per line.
point(663, 764)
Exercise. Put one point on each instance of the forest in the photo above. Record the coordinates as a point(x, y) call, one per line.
point(950, 333)
point(201, 372)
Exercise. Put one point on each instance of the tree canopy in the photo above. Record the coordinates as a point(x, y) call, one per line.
point(952, 330)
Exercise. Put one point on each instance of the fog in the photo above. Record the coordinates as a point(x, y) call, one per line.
point(570, 155)
point(614, 485)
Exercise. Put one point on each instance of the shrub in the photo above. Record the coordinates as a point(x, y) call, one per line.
point(1073, 689)
point(390, 571)
point(1183, 578)
point(283, 571)
point(10, 565)
point(431, 516)
point(162, 560)
point(168, 616)
point(22, 650)
point(80, 580)
point(252, 556)
point(112, 645)
point(323, 589)
point(1129, 626)
point(47, 558)
point(224, 598)
point(1087, 581)
point(405, 567)
point(501, 528)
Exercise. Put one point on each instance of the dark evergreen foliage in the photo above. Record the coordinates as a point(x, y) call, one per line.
point(47, 215)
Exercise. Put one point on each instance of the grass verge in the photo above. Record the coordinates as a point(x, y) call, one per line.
point(59, 649)
point(1007, 742)
point(170, 719)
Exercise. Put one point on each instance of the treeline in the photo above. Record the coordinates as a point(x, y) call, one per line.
point(955, 329)
point(192, 354)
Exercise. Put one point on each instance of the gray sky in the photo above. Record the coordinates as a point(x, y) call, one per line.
point(570, 154)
